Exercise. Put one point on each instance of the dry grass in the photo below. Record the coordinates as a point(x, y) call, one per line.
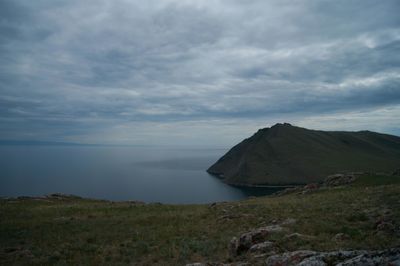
point(81, 231)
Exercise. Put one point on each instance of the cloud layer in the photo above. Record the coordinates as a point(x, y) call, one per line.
point(177, 71)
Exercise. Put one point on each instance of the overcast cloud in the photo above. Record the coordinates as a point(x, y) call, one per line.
point(195, 72)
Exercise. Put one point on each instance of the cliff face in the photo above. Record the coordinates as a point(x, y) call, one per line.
point(286, 154)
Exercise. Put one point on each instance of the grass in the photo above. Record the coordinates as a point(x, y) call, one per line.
point(285, 154)
point(82, 231)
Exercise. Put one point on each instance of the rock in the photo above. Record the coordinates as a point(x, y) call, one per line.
point(369, 260)
point(218, 264)
point(289, 191)
point(247, 240)
point(233, 247)
point(61, 196)
point(299, 189)
point(265, 246)
point(297, 236)
point(289, 221)
point(262, 255)
point(339, 180)
point(289, 258)
point(313, 261)
point(388, 257)
point(359, 260)
point(136, 202)
point(341, 237)
point(232, 216)
point(311, 186)
point(273, 228)
point(385, 227)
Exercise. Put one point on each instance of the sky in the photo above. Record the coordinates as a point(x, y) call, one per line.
point(180, 72)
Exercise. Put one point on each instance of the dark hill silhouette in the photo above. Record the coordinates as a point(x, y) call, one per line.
point(286, 154)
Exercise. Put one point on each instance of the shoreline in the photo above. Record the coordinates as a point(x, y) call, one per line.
point(240, 185)
point(244, 185)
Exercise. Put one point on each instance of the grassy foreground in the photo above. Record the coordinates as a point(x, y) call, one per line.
point(75, 231)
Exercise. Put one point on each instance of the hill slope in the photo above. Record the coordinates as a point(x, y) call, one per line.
point(286, 154)
point(65, 230)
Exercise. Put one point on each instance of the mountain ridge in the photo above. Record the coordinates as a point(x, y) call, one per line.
point(284, 154)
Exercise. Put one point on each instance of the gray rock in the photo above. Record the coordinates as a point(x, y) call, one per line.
point(289, 221)
point(289, 258)
point(339, 180)
point(233, 247)
point(298, 236)
point(310, 188)
point(388, 257)
point(272, 228)
point(341, 237)
point(313, 261)
point(262, 247)
point(343, 254)
point(385, 226)
point(365, 260)
point(249, 239)
point(289, 191)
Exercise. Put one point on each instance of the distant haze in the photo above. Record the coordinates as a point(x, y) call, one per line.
point(195, 72)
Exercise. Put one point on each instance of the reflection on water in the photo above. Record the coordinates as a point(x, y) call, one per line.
point(150, 174)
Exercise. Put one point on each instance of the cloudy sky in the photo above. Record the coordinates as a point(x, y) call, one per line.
point(195, 72)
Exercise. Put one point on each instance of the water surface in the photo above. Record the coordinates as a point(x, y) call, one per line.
point(150, 174)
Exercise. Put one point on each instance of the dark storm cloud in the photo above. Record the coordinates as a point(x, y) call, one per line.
point(82, 69)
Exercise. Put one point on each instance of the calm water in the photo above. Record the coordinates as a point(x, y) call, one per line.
point(147, 174)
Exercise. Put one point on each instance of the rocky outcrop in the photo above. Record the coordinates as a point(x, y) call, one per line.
point(330, 181)
point(339, 180)
point(258, 240)
point(257, 247)
point(295, 236)
point(219, 264)
point(262, 247)
point(290, 258)
point(255, 240)
point(389, 257)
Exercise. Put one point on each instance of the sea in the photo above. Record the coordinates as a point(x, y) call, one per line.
point(174, 175)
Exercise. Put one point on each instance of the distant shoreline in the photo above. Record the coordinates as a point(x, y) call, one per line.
point(244, 185)
point(264, 186)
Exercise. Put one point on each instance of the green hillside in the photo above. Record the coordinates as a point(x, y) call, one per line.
point(286, 154)
point(65, 230)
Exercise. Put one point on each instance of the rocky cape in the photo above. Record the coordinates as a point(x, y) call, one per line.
point(291, 155)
